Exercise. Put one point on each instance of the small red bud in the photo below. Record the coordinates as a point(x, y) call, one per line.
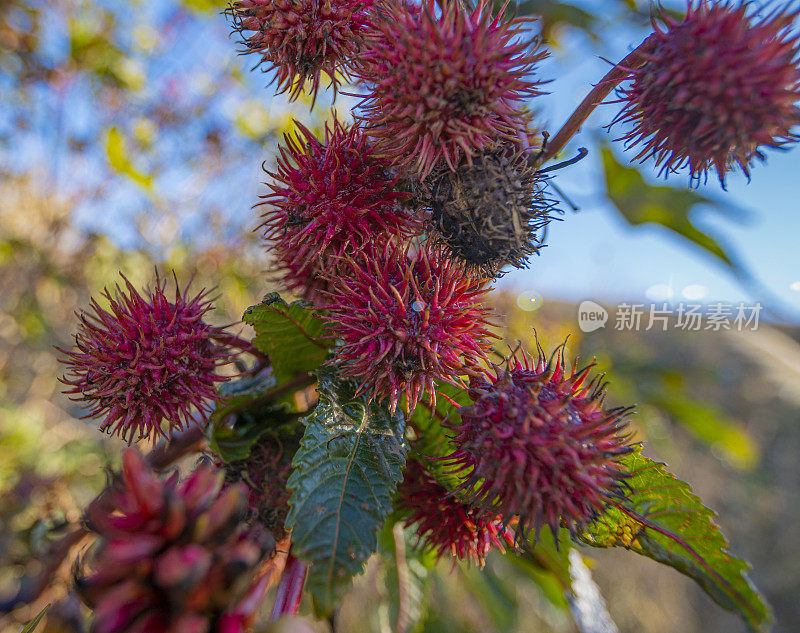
point(144, 575)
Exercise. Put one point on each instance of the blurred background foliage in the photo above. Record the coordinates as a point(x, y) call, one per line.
point(131, 136)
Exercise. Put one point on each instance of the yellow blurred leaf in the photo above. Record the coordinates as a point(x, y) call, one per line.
point(120, 160)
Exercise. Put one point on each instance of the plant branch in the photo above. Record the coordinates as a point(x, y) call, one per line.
point(295, 384)
point(692, 552)
point(271, 571)
point(239, 343)
point(180, 444)
point(635, 59)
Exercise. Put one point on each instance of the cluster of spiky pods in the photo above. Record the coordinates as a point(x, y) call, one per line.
point(394, 225)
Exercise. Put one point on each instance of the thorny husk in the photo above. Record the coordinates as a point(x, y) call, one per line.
point(491, 212)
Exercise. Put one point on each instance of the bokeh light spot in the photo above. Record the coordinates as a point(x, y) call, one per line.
point(694, 292)
point(529, 301)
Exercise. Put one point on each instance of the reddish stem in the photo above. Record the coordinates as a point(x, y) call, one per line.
point(290, 589)
point(231, 340)
point(248, 606)
point(635, 59)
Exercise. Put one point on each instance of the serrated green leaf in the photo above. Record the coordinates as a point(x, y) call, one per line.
point(663, 520)
point(234, 442)
point(30, 627)
point(289, 333)
point(641, 203)
point(233, 436)
point(233, 439)
point(346, 471)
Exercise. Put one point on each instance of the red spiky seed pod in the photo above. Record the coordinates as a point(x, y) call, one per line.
point(328, 198)
point(171, 555)
point(715, 89)
point(300, 40)
point(538, 444)
point(407, 319)
point(264, 472)
point(490, 212)
point(442, 85)
point(444, 524)
point(147, 361)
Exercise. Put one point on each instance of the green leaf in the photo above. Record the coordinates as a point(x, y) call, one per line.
point(119, 158)
point(433, 442)
point(547, 565)
point(289, 333)
point(238, 393)
point(405, 580)
point(30, 627)
point(233, 436)
point(640, 203)
point(346, 471)
point(233, 439)
point(234, 442)
point(706, 421)
point(663, 520)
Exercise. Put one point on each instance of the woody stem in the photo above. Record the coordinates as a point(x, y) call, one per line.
point(635, 59)
point(239, 343)
point(295, 384)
